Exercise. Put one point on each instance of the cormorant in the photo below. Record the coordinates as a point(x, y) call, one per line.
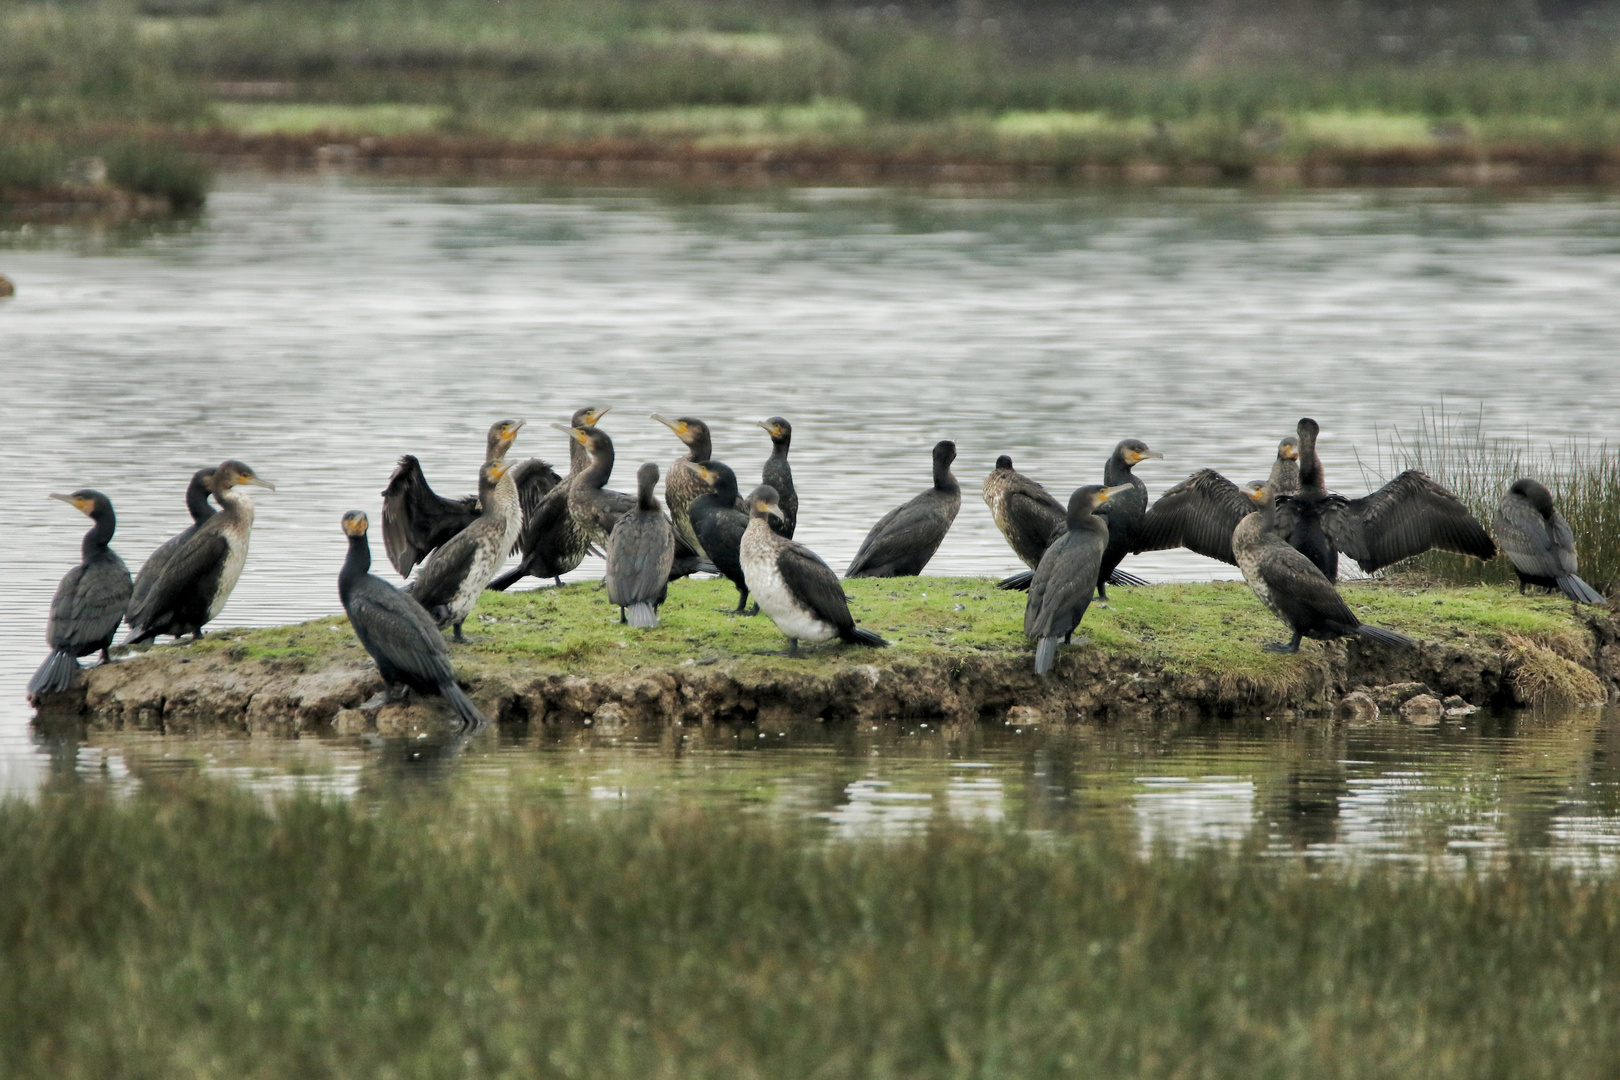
point(416, 520)
point(791, 584)
point(89, 603)
point(640, 551)
point(1200, 512)
point(201, 511)
point(779, 475)
point(1406, 517)
point(1284, 479)
point(1123, 512)
point(400, 636)
point(1025, 512)
point(551, 543)
point(201, 573)
point(681, 483)
point(449, 582)
point(1067, 575)
point(1291, 585)
point(1540, 543)
point(720, 525)
point(903, 541)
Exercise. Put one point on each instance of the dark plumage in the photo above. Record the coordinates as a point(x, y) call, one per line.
point(1025, 512)
point(89, 602)
point(791, 584)
point(640, 551)
point(1123, 512)
point(719, 524)
point(200, 574)
point(416, 519)
point(197, 503)
point(1294, 588)
point(903, 541)
point(551, 543)
point(450, 581)
point(1198, 514)
point(1540, 543)
point(778, 474)
point(1066, 578)
point(400, 636)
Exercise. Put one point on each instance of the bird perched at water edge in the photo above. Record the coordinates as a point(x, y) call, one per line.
point(640, 551)
point(1540, 543)
point(905, 538)
point(449, 583)
point(197, 504)
point(720, 525)
point(416, 520)
point(552, 542)
point(1066, 578)
point(89, 602)
point(778, 474)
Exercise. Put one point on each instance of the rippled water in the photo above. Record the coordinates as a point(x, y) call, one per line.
point(319, 328)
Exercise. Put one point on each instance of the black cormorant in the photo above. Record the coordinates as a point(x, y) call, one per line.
point(90, 601)
point(1123, 512)
point(1200, 512)
point(903, 541)
point(719, 524)
point(640, 551)
point(197, 503)
point(779, 475)
point(551, 543)
point(1540, 543)
point(1291, 585)
point(791, 584)
point(201, 573)
point(449, 582)
point(1406, 517)
point(400, 636)
point(1025, 512)
point(416, 519)
point(1066, 578)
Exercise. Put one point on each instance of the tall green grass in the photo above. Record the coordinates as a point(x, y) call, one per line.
point(1583, 476)
point(194, 934)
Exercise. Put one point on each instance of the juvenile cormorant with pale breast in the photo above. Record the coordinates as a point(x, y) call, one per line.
point(552, 543)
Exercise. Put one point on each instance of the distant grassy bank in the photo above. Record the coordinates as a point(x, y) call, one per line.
point(1016, 87)
point(188, 932)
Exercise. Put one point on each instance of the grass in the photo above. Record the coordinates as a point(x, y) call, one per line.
point(1583, 476)
point(1213, 630)
point(196, 933)
point(140, 165)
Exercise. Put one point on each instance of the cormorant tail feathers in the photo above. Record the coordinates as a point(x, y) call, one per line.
point(507, 580)
point(1120, 577)
point(642, 616)
point(1386, 637)
point(862, 636)
point(55, 675)
point(1580, 592)
point(468, 712)
point(1021, 581)
point(1046, 654)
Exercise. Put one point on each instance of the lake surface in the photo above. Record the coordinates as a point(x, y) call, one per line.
point(318, 328)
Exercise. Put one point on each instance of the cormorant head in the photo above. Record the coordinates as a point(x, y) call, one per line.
point(1259, 492)
point(355, 523)
point(1087, 499)
point(762, 501)
point(719, 476)
point(589, 417)
point(1003, 462)
point(944, 452)
point(501, 434)
point(234, 473)
point(589, 437)
point(646, 479)
point(688, 429)
point(85, 501)
point(1537, 493)
point(1308, 429)
point(1288, 449)
point(491, 474)
point(780, 430)
point(1133, 451)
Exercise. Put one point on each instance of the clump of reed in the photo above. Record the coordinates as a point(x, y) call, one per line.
point(202, 933)
point(1583, 476)
point(142, 166)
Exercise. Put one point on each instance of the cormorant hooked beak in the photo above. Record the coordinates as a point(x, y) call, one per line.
point(679, 427)
point(83, 506)
point(355, 523)
point(1138, 456)
point(573, 432)
point(770, 508)
point(1108, 493)
point(596, 415)
point(257, 481)
point(768, 427)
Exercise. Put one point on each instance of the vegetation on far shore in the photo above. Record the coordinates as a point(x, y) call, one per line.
point(192, 932)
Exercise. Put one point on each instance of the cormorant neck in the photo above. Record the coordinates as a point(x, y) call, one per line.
point(579, 459)
point(702, 448)
point(646, 500)
point(944, 481)
point(197, 503)
point(1117, 471)
point(1310, 466)
point(779, 447)
point(100, 534)
point(600, 470)
point(357, 565)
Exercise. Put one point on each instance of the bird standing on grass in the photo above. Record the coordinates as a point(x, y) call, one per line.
point(778, 474)
point(551, 543)
point(720, 525)
point(400, 636)
point(416, 520)
point(791, 584)
point(1066, 578)
point(449, 583)
point(1540, 542)
point(89, 602)
point(640, 550)
point(905, 538)
point(197, 504)
point(1123, 512)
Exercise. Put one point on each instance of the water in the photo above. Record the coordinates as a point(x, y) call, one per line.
point(319, 328)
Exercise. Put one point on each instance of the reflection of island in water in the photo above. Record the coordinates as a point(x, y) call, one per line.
point(1454, 794)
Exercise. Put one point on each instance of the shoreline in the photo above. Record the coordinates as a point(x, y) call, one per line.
point(958, 657)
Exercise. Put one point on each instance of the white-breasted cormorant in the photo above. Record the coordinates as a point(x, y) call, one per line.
point(905, 538)
point(719, 524)
point(201, 573)
point(1066, 578)
point(400, 636)
point(640, 551)
point(778, 474)
point(416, 519)
point(551, 543)
point(791, 584)
point(450, 581)
point(1406, 517)
point(1540, 543)
point(90, 601)
point(197, 503)
point(1291, 585)
point(1123, 512)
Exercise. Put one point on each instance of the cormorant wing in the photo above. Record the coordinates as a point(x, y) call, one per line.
point(1030, 508)
point(1537, 546)
point(152, 569)
point(1406, 517)
point(814, 584)
point(607, 507)
point(1071, 566)
point(535, 479)
point(914, 526)
point(1301, 590)
point(437, 580)
point(89, 603)
point(642, 563)
point(396, 628)
point(195, 564)
point(415, 519)
point(1199, 514)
